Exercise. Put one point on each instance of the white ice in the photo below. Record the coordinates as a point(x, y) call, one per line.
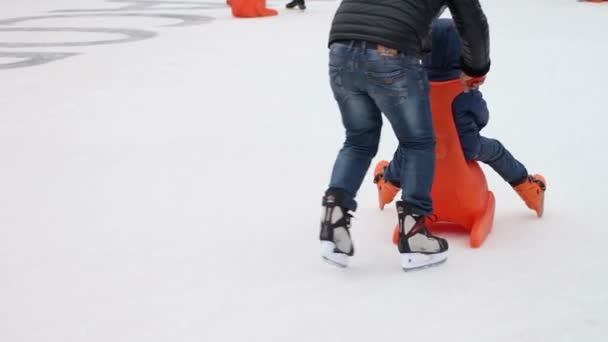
point(169, 189)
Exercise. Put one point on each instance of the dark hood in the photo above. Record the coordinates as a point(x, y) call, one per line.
point(443, 62)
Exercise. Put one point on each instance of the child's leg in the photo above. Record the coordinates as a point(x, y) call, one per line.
point(493, 153)
point(489, 151)
point(531, 189)
point(470, 116)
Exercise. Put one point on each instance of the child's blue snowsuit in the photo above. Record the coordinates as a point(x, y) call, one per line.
point(470, 110)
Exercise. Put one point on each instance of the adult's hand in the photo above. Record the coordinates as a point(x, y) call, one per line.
point(470, 82)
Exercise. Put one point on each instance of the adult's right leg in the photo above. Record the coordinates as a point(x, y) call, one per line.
point(401, 90)
point(406, 105)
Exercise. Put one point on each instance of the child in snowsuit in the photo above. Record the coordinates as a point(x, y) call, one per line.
point(470, 116)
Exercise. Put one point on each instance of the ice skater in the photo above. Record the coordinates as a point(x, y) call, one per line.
point(374, 68)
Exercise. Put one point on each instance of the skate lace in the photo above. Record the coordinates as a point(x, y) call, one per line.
point(419, 225)
point(343, 222)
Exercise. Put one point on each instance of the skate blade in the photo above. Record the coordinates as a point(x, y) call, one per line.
point(331, 257)
point(333, 263)
point(420, 261)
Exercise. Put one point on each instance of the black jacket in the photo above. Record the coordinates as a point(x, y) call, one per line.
point(405, 25)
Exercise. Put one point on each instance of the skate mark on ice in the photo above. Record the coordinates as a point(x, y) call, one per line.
point(130, 36)
point(185, 19)
point(27, 59)
point(151, 5)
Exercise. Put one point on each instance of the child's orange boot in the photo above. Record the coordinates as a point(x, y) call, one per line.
point(386, 190)
point(532, 191)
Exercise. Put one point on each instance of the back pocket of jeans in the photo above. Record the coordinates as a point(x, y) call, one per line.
point(387, 78)
point(390, 83)
point(393, 83)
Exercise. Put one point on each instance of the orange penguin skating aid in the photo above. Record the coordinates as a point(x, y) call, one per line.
point(250, 8)
point(461, 198)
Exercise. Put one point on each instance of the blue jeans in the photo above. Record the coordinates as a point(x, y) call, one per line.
point(366, 84)
point(486, 150)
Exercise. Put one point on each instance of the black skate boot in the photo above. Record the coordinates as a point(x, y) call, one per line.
point(417, 246)
point(300, 3)
point(336, 244)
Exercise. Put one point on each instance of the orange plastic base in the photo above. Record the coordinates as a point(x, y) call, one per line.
point(482, 226)
point(250, 8)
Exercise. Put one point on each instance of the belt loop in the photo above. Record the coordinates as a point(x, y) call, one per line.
point(351, 44)
point(364, 45)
